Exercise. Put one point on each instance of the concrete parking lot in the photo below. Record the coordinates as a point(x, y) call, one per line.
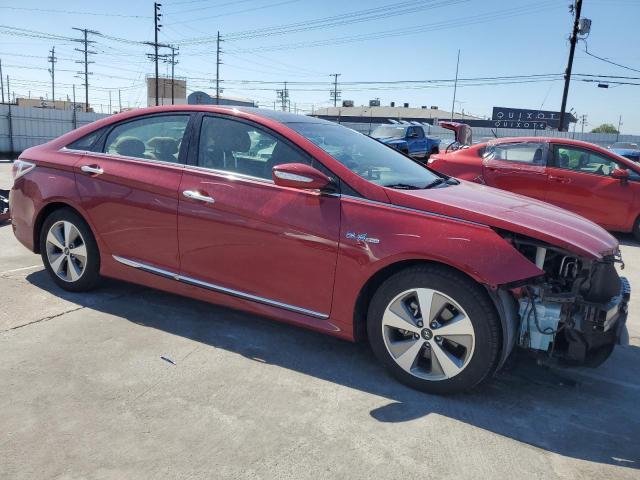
point(86, 393)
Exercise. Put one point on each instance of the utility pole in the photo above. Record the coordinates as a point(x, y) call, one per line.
point(283, 95)
point(156, 17)
point(619, 125)
point(110, 112)
point(335, 94)
point(584, 120)
point(52, 71)
point(171, 58)
point(119, 102)
point(1, 81)
point(75, 113)
point(218, 51)
point(577, 9)
point(86, 61)
point(455, 86)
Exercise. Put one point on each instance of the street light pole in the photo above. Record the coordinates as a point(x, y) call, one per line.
point(455, 86)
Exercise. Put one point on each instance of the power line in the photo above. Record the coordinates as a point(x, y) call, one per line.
point(395, 9)
point(72, 12)
point(443, 25)
point(586, 50)
point(226, 14)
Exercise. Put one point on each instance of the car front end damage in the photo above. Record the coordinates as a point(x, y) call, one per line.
point(576, 312)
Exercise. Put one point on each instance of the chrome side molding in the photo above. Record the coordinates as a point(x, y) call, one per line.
point(217, 288)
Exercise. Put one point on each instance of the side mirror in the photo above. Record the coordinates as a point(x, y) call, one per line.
point(299, 175)
point(621, 174)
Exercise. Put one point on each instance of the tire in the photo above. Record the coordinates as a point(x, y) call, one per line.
point(636, 230)
point(69, 251)
point(413, 352)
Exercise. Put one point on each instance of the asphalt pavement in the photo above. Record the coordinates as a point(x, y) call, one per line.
point(128, 382)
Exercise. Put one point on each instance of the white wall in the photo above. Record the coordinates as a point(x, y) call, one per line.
point(33, 126)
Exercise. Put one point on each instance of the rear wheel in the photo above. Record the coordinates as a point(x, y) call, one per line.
point(434, 329)
point(69, 251)
point(636, 229)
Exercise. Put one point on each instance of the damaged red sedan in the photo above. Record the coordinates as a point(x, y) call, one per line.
point(311, 223)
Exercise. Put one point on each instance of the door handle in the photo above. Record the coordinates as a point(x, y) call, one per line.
point(93, 169)
point(553, 178)
point(195, 195)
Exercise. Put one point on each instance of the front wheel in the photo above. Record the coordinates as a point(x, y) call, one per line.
point(434, 329)
point(69, 251)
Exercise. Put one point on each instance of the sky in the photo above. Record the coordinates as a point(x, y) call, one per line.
point(266, 42)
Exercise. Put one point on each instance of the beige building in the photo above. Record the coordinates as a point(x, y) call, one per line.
point(44, 103)
point(164, 91)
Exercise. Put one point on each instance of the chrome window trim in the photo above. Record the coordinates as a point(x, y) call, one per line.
point(292, 176)
point(90, 153)
point(217, 288)
point(230, 175)
point(414, 210)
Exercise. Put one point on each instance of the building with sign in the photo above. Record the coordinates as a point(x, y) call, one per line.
point(505, 117)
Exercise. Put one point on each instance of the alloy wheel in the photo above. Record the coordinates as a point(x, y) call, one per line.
point(66, 251)
point(428, 334)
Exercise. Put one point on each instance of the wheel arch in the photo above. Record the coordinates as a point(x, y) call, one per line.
point(502, 301)
point(374, 281)
point(47, 210)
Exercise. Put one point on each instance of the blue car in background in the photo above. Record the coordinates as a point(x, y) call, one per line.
point(409, 139)
point(627, 149)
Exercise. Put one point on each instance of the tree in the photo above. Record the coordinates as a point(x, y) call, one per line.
point(605, 128)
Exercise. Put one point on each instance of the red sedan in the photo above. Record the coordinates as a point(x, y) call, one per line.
point(591, 181)
point(314, 224)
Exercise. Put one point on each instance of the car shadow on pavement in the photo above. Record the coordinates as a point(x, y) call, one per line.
point(584, 414)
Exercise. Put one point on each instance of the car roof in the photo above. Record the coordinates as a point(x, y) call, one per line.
point(282, 117)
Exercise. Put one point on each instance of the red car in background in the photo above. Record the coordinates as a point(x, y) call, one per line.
point(311, 223)
point(581, 177)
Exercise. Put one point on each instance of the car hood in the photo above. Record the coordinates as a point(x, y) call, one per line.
point(511, 212)
point(389, 139)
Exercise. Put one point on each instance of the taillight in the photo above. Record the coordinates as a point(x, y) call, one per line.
point(20, 168)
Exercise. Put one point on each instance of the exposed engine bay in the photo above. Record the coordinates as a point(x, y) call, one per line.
point(4, 205)
point(576, 312)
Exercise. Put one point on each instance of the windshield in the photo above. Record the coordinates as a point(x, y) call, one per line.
point(389, 131)
point(366, 157)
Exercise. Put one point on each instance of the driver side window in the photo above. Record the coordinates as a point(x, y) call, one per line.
point(583, 160)
point(232, 146)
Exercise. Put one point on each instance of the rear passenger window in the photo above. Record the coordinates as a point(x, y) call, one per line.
point(155, 138)
point(521, 152)
point(239, 147)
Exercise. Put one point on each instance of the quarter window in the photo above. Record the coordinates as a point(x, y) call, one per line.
point(242, 148)
point(582, 160)
point(87, 142)
point(531, 153)
point(155, 138)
